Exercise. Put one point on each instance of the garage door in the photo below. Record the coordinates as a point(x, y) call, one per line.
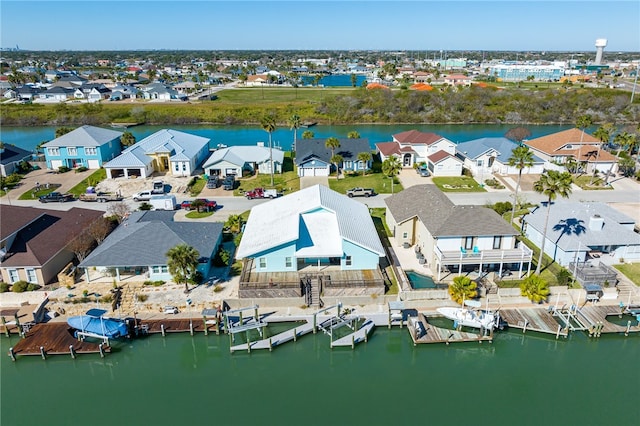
point(94, 164)
point(55, 164)
point(315, 171)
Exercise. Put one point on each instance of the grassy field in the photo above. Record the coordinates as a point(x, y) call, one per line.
point(457, 184)
point(379, 182)
point(583, 182)
point(277, 95)
point(631, 271)
point(92, 180)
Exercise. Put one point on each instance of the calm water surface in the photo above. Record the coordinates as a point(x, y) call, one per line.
point(184, 380)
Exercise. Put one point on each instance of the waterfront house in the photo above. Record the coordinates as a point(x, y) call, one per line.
point(313, 158)
point(165, 151)
point(10, 157)
point(558, 147)
point(159, 91)
point(579, 232)
point(486, 156)
point(452, 237)
point(416, 147)
point(313, 240)
point(87, 146)
point(34, 242)
point(56, 94)
point(240, 160)
point(138, 246)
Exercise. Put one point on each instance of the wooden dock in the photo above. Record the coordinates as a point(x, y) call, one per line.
point(360, 335)
point(278, 339)
point(534, 319)
point(54, 339)
point(594, 320)
point(176, 325)
point(422, 331)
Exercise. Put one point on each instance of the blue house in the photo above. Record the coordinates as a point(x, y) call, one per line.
point(86, 146)
point(313, 158)
point(315, 238)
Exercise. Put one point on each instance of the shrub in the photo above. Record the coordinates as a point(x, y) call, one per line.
point(156, 283)
point(63, 169)
point(81, 169)
point(535, 288)
point(502, 207)
point(218, 288)
point(13, 178)
point(33, 287)
point(141, 297)
point(19, 286)
point(145, 207)
point(196, 278)
point(222, 257)
point(106, 298)
point(4, 287)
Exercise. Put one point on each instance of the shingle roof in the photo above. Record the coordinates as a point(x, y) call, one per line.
point(240, 155)
point(12, 154)
point(477, 147)
point(85, 136)
point(441, 217)
point(349, 149)
point(550, 143)
point(282, 221)
point(388, 148)
point(417, 137)
point(130, 244)
point(439, 156)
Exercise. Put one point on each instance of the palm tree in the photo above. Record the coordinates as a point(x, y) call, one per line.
point(337, 160)
point(234, 223)
point(604, 134)
point(463, 288)
point(622, 140)
point(268, 123)
point(308, 134)
point(535, 288)
point(571, 165)
point(365, 157)
point(294, 124)
point(391, 167)
point(582, 123)
point(521, 157)
point(197, 204)
point(332, 143)
point(552, 183)
point(127, 139)
point(182, 261)
point(353, 135)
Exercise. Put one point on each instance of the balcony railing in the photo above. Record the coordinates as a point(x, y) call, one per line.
point(452, 257)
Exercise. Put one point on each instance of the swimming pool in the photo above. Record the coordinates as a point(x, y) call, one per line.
point(419, 281)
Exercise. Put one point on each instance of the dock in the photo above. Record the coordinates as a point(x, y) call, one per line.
point(421, 331)
point(535, 319)
point(593, 319)
point(360, 335)
point(54, 339)
point(176, 325)
point(278, 339)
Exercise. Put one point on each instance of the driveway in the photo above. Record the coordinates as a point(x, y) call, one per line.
point(308, 181)
point(409, 177)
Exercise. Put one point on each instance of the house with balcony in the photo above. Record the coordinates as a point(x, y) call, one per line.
point(486, 156)
point(313, 158)
point(454, 238)
point(138, 247)
point(87, 146)
point(311, 242)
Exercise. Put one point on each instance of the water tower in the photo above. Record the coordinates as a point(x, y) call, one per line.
point(601, 43)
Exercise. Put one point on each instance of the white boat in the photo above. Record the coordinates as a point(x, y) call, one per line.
point(469, 315)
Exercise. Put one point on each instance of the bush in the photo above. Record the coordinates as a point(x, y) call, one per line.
point(19, 286)
point(157, 283)
point(63, 169)
point(145, 207)
point(218, 288)
point(33, 287)
point(81, 169)
point(12, 179)
point(502, 207)
point(222, 257)
point(142, 297)
point(4, 287)
point(196, 278)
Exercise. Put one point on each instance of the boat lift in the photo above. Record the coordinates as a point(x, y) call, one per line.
point(251, 323)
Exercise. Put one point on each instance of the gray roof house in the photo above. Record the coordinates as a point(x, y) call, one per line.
point(236, 159)
point(86, 146)
point(452, 236)
point(140, 243)
point(486, 156)
point(313, 158)
point(167, 150)
point(10, 157)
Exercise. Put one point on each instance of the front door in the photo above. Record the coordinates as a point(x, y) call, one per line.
point(406, 162)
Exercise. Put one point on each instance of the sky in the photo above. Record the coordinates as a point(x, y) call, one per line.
point(519, 25)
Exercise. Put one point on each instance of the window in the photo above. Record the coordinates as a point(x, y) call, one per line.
point(262, 262)
point(347, 164)
point(162, 269)
point(31, 276)
point(90, 151)
point(405, 235)
point(177, 167)
point(287, 262)
point(72, 150)
point(497, 242)
point(13, 275)
point(184, 167)
point(53, 151)
point(468, 243)
point(479, 163)
point(347, 261)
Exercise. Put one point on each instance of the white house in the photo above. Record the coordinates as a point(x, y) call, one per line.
point(414, 147)
point(236, 159)
point(486, 156)
point(443, 163)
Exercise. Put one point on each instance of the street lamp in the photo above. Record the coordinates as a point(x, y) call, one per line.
point(6, 191)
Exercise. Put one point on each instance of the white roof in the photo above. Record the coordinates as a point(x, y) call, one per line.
point(239, 155)
point(329, 218)
point(85, 136)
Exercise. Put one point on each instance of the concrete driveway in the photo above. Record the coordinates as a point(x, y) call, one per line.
point(308, 181)
point(409, 177)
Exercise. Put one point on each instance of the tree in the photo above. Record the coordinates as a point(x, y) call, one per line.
point(354, 80)
point(294, 124)
point(127, 139)
point(197, 204)
point(337, 160)
point(463, 288)
point(62, 131)
point(364, 157)
point(582, 123)
point(353, 135)
point(119, 210)
point(521, 157)
point(391, 167)
point(100, 229)
point(234, 223)
point(332, 143)
point(81, 245)
point(535, 288)
point(308, 134)
point(571, 165)
point(182, 261)
point(626, 141)
point(552, 184)
point(518, 134)
point(603, 133)
point(268, 123)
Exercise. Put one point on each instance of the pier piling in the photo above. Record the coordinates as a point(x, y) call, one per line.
point(191, 327)
point(12, 354)
point(626, 333)
point(295, 334)
point(73, 354)
point(4, 324)
point(42, 353)
point(162, 329)
point(204, 321)
point(101, 350)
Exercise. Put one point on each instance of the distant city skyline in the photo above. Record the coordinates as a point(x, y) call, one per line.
point(514, 25)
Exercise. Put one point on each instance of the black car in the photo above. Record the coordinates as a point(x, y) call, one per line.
point(213, 182)
point(55, 197)
point(229, 183)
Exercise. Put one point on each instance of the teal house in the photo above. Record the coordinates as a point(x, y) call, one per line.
point(86, 146)
point(315, 238)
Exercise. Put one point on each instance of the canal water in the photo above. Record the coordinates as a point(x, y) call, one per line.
point(183, 380)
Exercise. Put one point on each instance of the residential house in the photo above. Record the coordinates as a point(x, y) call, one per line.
point(165, 151)
point(27, 93)
point(56, 94)
point(238, 160)
point(308, 242)
point(257, 80)
point(70, 81)
point(87, 146)
point(452, 237)
point(185, 87)
point(457, 80)
point(10, 157)
point(415, 147)
point(486, 156)
point(158, 91)
point(139, 245)
point(123, 92)
point(577, 232)
point(34, 242)
point(313, 158)
point(574, 143)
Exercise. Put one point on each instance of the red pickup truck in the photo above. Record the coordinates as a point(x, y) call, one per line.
point(208, 205)
point(261, 193)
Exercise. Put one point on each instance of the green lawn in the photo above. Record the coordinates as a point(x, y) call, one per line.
point(197, 187)
point(583, 182)
point(457, 184)
point(198, 215)
point(277, 95)
point(631, 271)
point(378, 181)
point(32, 194)
point(92, 180)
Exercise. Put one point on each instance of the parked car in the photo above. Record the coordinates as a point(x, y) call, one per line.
point(208, 204)
point(142, 196)
point(213, 182)
point(261, 193)
point(170, 310)
point(56, 197)
point(158, 187)
point(423, 171)
point(360, 192)
point(229, 183)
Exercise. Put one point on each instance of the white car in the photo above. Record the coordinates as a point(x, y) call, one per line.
point(170, 310)
point(142, 196)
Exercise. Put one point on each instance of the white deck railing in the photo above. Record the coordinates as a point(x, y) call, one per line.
point(449, 257)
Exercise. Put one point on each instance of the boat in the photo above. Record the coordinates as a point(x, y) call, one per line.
point(94, 324)
point(469, 315)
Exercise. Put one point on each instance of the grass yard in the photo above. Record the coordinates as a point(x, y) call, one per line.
point(277, 95)
point(92, 180)
point(197, 187)
point(198, 215)
point(287, 182)
point(32, 194)
point(583, 182)
point(457, 184)
point(631, 271)
point(378, 181)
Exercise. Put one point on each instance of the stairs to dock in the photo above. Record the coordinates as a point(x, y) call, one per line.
point(315, 301)
point(128, 298)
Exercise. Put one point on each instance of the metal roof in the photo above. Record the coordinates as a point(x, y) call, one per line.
point(239, 155)
point(85, 136)
point(504, 147)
